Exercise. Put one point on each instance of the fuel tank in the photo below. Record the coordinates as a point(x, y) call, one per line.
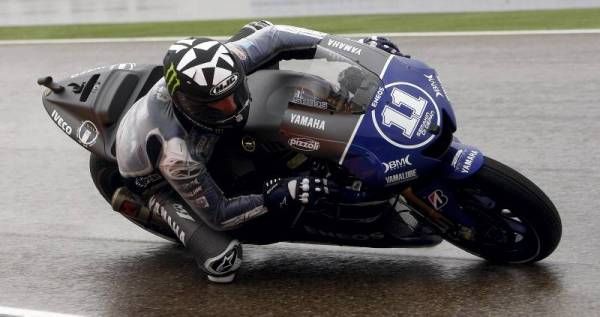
point(292, 109)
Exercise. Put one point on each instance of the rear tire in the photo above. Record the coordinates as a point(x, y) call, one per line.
point(107, 179)
point(105, 175)
point(518, 205)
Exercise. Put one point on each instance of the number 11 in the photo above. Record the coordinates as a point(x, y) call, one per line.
point(408, 124)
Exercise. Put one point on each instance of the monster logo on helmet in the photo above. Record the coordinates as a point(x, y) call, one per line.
point(171, 79)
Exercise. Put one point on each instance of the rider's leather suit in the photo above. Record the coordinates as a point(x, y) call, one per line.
point(155, 143)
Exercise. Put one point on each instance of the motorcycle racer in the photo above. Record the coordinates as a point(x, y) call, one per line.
point(172, 131)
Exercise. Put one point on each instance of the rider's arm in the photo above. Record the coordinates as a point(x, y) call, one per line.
point(187, 174)
point(275, 42)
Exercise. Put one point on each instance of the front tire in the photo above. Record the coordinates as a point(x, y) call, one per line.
point(515, 222)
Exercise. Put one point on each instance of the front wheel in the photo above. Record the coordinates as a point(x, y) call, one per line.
point(513, 221)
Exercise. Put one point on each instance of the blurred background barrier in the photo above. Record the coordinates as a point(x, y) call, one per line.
point(39, 12)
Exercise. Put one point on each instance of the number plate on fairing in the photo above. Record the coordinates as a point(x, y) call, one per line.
point(387, 147)
point(405, 120)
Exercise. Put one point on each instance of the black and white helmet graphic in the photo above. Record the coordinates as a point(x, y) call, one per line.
point(206, 82)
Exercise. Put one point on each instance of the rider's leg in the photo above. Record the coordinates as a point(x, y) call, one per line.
point(217, 254)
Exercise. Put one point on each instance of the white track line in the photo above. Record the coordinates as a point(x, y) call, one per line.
point(481, 33)
point(395, 34)
point(9, 312)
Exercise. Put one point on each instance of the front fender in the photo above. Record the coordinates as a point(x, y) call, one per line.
point(461, 161)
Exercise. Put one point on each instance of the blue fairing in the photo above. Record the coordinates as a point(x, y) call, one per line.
point(389, 140)
point(462, 161)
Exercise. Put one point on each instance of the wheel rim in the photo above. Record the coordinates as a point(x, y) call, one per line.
point(500, 231)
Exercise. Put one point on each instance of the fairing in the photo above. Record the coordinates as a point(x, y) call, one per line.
point(93, 101)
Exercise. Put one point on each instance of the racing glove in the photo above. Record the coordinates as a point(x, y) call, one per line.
point(249, 28)
point(282, 193)
point(383, 43)
point(257, 25)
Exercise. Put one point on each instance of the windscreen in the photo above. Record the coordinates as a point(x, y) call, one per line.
point(348, 86)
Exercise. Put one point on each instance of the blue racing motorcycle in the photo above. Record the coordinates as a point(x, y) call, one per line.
point(379, 125)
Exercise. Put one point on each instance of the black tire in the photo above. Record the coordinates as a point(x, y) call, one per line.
point(107, 179)
point(105, 175)
point(517, 203)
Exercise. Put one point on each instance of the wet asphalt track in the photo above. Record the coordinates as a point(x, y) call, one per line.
point(532, 102)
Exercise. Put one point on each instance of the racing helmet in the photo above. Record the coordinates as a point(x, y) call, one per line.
point(206, 82)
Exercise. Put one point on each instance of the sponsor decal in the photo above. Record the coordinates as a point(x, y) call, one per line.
point(464, 161)
point(441, 86)
point(435, 86)
point(171, 78)
point(123, 66)
point(344, 47)
point(437, 199)
point(393, 116)
point(405, 121)
point(248, 143)
point(181, 212)
point(397, 164)
point(345, 236)
point(87, 133)
point(224, 85)
point(61, 122)
point(456, 157)
point(466, 167)
point(425, 124)
point(144, 181)
point(307, 99)
point(377, 97)
point(401, 177)
point(304, 144)
point(191, 191)
point(227, 262)
point(307, 121)
point(253, 213)
point(162, 212)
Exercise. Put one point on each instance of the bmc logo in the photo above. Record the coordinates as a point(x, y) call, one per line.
point(397, 164)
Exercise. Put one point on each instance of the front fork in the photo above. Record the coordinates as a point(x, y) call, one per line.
point(436, 200)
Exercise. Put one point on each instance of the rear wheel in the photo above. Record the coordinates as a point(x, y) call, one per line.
point(107, 179)
point(513, 220)
point(105, 175)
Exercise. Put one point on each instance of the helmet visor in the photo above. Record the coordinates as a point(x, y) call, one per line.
point(214, 112)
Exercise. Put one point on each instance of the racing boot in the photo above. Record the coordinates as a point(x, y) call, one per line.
point(215, 252)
